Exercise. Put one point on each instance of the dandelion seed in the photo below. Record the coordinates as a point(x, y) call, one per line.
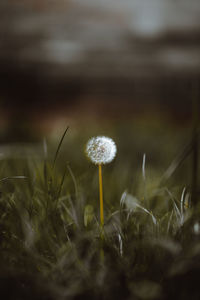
point(101, 150)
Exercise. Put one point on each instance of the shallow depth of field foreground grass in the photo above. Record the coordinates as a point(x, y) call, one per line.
point(50, 242)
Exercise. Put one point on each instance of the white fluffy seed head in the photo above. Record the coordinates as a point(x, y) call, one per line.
point(101, 150)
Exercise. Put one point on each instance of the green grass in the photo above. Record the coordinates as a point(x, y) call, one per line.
point(50, 242)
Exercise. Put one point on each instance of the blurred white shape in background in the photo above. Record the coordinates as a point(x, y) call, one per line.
point(196, 228)
point(62, 51)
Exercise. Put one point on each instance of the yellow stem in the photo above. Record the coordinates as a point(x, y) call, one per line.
point(101, 196)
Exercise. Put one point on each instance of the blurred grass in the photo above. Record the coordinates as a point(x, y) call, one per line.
point(49, 220)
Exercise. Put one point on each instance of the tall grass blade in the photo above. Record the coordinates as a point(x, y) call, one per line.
point(59, 146)
point(143, 167)
point(45, 162)
point(195, 153)
point(13, 177)
point(178, 161)
point(73, 179)
point(182, 200)
point(61, 185)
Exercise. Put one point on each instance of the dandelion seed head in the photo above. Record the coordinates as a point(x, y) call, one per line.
point(101, 149)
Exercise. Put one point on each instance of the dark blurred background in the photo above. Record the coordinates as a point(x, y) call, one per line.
point(89, 60)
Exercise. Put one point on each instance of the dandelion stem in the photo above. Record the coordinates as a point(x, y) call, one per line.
point(101, 196)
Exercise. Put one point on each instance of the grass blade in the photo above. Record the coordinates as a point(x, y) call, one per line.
point(73, 179)
point(13, 177)
point(59, 146)
point(178, 160)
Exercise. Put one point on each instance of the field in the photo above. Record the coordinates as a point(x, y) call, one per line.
point(51, 246)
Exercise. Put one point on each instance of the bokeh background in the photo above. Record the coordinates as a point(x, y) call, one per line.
point(130, 69)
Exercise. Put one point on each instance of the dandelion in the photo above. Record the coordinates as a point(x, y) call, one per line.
point(101, 150)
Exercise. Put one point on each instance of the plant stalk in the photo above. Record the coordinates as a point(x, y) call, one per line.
point(101, 196)
point(195, 155)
